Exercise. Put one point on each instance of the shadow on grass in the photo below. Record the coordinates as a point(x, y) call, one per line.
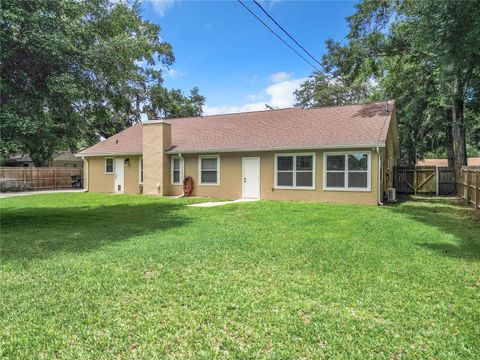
point(40, 232)
point(451, 217)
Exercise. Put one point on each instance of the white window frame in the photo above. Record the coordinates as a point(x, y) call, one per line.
point(182, 170)
point(346, 171)
point(200, 169)
point(113, 165)
point(140, 170)
point(294, 186)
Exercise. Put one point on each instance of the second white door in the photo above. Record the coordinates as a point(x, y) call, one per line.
point(251, 177)
point(119, 172)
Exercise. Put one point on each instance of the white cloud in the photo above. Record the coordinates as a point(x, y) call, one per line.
point(279, 95)
point(174, 74)
point(256, 97)
point(228, 109)
point(280, 76)
point(161, 6)
point(282, 93)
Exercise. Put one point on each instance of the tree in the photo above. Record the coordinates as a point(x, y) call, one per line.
point(166, 104)
point(73, 71)
point(322, 90)
point(423, 54)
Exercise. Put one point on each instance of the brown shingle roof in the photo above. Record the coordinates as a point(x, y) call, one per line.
point(126, 142)
point(336, 126)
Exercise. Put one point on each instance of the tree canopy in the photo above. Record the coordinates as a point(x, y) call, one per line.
point(73, 71)
point(426, 56)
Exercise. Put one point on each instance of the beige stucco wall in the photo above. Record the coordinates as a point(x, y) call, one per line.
point(132, 175)
point(231, 180)
point(98, 181)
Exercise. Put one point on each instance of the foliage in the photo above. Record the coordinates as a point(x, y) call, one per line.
point(15, 185)
point(323, 90)
point(423, 54)
point(101, 276)
point(164, 103)
point(73, 71)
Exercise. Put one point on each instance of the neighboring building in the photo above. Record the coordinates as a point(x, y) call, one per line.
point(473, 161)
point(60, 159)
point(334, 154)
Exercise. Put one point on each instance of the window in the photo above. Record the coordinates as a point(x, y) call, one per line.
point(347, 171)
point(140, 170)
point(177, 170)
point(295, 171)
point(108, 165)
point(209, 170)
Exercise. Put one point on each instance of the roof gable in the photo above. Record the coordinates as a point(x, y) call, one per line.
point(126, 142)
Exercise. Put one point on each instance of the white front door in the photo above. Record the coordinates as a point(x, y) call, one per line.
point(251, 177)
point(119, 175)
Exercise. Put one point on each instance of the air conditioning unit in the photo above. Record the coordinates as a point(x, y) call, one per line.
point(392, 195)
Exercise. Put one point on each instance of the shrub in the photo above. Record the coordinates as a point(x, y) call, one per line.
point(15, 185)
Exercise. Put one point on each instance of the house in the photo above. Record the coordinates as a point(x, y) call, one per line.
point(59, 159)
point(339, 154)
point(472, 161)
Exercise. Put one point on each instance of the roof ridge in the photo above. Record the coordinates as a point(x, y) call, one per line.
point(275, 110)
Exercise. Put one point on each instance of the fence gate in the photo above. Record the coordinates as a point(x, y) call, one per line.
point(424, 180)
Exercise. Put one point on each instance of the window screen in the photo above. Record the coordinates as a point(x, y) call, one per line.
point(347, 171)
point(295, 171)
point(209, 170)
point(109, 165)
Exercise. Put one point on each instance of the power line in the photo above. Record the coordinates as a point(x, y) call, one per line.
point(292, 38)
point(278, 36)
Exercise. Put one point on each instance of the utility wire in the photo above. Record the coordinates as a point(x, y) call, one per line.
point(278, 36)
point(287, 33)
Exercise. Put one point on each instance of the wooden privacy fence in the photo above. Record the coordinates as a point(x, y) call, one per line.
point(42, 177)
point(469, 185)
point(424, 180)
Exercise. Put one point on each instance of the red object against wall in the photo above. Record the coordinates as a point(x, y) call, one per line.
point(188, 185)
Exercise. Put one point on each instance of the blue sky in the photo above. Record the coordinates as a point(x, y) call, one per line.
point(235, 61)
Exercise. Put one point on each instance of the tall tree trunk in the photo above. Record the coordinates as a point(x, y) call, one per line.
point(458, 127)
point(449, 139)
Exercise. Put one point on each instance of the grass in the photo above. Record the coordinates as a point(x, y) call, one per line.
point(102, 276)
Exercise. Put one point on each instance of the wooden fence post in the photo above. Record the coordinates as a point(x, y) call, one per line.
point(468, 185)
point(415, 180)
point(477, 189)
point(459, 180)
point(54, 178)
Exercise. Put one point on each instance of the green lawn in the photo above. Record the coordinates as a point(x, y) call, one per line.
point(102, 276)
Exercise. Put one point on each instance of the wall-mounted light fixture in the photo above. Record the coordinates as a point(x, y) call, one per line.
point(127, 161)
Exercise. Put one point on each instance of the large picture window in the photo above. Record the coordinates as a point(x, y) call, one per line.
point(347, 171)
point(109, 165)
point(295, 171)
point(209, 170)
point(177, 170)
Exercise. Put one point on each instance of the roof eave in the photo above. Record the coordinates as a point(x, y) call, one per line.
point(283, 148)
point(108, 154)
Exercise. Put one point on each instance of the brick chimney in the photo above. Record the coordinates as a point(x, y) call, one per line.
point(157, 138)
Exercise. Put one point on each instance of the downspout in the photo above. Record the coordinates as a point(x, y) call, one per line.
point(183, 163)
point(380, 169)
point(85, 176)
